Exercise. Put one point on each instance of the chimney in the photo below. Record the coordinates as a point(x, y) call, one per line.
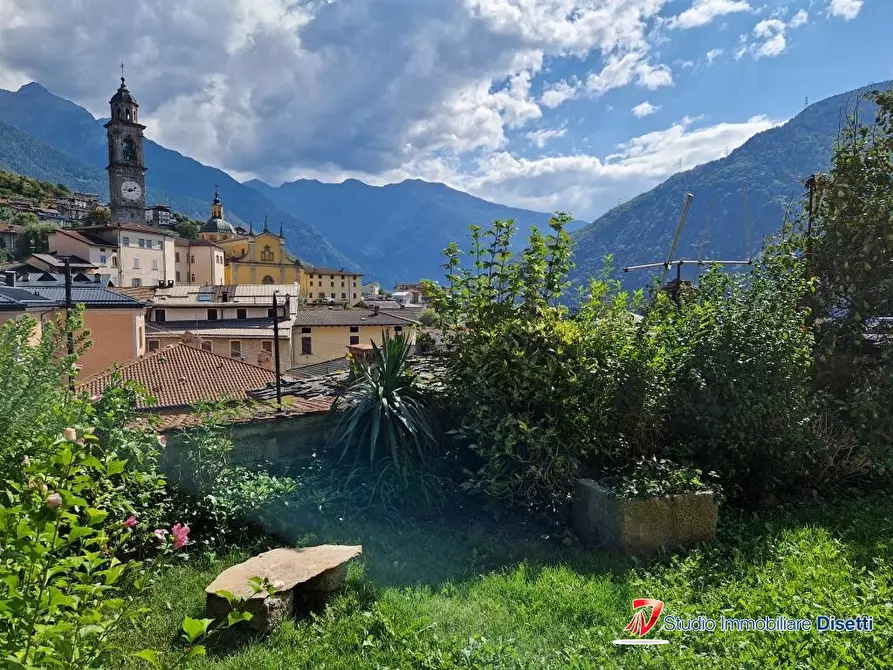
point(375, 310)
point(10, 277)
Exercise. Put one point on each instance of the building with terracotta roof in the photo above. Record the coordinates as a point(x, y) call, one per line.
point(183, 375)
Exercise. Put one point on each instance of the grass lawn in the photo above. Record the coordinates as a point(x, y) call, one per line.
point(434, 596)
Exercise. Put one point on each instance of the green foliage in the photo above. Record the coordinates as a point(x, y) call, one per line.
point(16, 186)
point(382, 412)
point(217, 498)
point(851, 256)
point(650, 477)
point(32, 384)
point(188, 228)
point(35, 238)
point(428, 317)
point(98, 216)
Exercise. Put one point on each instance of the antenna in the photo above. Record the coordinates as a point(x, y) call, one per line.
point(706, 227)
point(685, 209)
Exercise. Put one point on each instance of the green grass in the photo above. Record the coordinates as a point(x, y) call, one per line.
point(437, 596)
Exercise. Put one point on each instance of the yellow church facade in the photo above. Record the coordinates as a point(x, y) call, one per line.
point(263, 258)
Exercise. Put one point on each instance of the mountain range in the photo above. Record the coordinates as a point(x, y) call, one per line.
point(739, 200)
point(396, 232)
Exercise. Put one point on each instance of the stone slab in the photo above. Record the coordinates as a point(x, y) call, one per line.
point(267, 613)
point(642, 527)
point(286, 568)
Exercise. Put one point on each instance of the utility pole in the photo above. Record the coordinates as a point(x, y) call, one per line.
point(810, 214)
point(68, 305)
point(276, 351)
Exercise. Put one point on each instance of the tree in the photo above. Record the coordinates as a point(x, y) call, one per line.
point(100, 216)
point(851, 256)
point(34, 239)
point(188, 229)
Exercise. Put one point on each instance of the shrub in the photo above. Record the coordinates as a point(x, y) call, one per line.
point(222, 501)
point(382, 412)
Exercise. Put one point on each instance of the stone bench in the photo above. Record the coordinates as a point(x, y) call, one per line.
point(302, 579)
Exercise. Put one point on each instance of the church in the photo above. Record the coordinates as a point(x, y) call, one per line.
point(250, 258)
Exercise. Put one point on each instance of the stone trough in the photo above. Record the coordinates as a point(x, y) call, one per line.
point(302, 578)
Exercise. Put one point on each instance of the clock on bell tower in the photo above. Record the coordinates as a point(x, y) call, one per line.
point(127, 175)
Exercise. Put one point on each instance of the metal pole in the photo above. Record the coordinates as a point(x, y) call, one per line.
point(68, 305)
point(276, 351)
point(810, 185)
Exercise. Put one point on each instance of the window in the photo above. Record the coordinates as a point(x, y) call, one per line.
point(332, 284)
point(353, 329)
point(193, 279)
point(154, 263)
point(342, 284)
point(126, 241)
point(102, 260)
point(178, 275)
point(354, 296)
point(235, 348)
point(192, 259)
point(153, 345)
point(267, 345)
point(160, 316)
point(212, 315)
point(266, 254)
point(354, 284)
point(310, 295)
point(331, 276)
point(242, 313)
point(142, 243)
point(305, 329)
point(398, 329)
point(114, 261)
point(354, 339)
point(136, 263)
point(177, 256)
point(271, 313)
point(267, 280)
point(333, 296)
point(207, 346)
point(135, 282)
point(306, 347)
point(311, 283)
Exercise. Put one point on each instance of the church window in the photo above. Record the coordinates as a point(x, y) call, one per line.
point(128, 150)
point(266, 254)
point(267, 280)
point(128, 115)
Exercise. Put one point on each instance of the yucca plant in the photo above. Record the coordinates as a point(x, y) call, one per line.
point(383, 412)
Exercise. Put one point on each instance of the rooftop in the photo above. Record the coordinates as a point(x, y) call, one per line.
point(58, 261)
point(241, 294)
point(349, 317)
point(331, 271)
point(235, 328)
point(182, 375)
point(50, 288)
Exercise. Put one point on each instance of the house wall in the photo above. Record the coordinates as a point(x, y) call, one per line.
point(149, 264)
point(200, 265)
point(252, 348)
point(106, 258)
point(225, 310)
point(330, 342)
point(321, 287)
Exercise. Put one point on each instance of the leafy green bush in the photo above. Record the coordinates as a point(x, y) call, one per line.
point(224, 502)
point(651, 477)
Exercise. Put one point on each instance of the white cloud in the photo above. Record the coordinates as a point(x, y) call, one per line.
point(540, 138)
point(770, 36)
point(703, 12)
point(644, 109)
point(620, 71)
point(799, 19)
point(846, 9)
point(713, 54)
point(558, 93)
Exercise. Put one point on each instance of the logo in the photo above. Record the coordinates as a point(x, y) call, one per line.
point(646, 612)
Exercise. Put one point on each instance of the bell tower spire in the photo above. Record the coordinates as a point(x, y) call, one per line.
point(127, 173)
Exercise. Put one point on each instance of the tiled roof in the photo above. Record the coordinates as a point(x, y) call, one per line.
point(383, 304)
point(181, 375)
point(241, 294)
point(89, 295)
point(84, 237)
point(141, 293)
point(134, 227)
point(253, 412)
point(332, 271)
point(412, 313)
point(348, 317)
point(12, 296)
point(58, 261)
point(324, 368)
point(221, 328)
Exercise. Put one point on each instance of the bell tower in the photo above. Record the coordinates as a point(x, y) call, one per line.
point(127, 175)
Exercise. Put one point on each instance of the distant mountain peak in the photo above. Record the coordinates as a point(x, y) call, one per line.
point(33, 87)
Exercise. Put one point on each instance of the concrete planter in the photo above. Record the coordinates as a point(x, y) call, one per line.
point(642, 527)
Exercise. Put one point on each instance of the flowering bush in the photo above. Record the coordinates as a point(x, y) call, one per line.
point(64, 581)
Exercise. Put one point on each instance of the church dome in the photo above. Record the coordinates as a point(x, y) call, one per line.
point(217, 224)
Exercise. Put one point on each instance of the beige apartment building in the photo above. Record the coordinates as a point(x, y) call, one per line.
point(133, 254)
point(322, 335)
point(232, 321)
point(198, 262)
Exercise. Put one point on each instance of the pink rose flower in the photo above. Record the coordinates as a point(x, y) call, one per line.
point(160, 533)
point(70, 434)
point(54, 501)
point(130, 522)
point(181, 535)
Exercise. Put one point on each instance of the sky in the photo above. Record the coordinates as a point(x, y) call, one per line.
point(572, 105)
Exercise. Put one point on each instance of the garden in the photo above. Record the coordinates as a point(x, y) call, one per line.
point(769, 389)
